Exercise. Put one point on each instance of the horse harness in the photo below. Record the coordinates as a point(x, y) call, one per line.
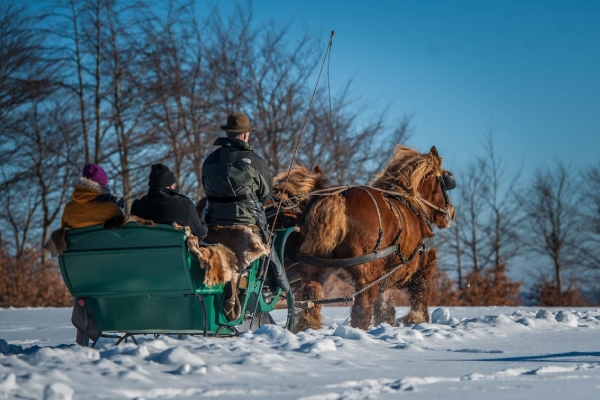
point(424, 245)
point(290, 206)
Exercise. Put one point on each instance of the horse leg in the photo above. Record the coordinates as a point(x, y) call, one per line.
point(384, 310)
point(362, 310)
point(419, 289)
point(310, 317)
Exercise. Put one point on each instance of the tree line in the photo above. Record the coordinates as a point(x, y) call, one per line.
point(128, 84)
point(547, 226)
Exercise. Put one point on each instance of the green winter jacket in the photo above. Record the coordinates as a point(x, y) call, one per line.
point(237, 183)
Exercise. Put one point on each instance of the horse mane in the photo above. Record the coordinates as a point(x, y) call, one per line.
point(407, 169)
point(301, 181)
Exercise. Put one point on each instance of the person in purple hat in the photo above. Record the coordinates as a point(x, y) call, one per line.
point(92, 202)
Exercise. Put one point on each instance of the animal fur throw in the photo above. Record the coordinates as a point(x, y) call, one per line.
point(56, 245)
point(219, 262)
point(139, 220)
point(247, 245)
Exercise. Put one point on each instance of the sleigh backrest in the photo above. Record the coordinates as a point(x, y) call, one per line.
point(131, 261)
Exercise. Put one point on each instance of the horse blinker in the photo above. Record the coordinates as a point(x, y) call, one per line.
point(448, 181)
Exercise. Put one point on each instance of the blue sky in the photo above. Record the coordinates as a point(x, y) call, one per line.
point(529, 70)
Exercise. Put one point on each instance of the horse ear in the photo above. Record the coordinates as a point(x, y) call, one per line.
point(318, 170)
point(434, 152)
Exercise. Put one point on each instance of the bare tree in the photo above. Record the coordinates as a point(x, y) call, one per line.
point(504, 219)
point(44, 158)
point(24, 76)
point(32, 159)
point(80, 29)
point(131, 99)
point(471, 207)
point(488, 220)
point(590, 223)
point(180, 84)
point(20, 202)
point(553, 215)
point(52, 153)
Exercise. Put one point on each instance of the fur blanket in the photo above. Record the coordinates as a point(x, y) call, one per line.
point(221, 265)
point(56, 245)
point(220, 262)
point(247, 245)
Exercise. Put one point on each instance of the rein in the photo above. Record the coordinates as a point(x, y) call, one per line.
point(328, 51)
point(332, 191)
point(287, 204)
point(423, 246)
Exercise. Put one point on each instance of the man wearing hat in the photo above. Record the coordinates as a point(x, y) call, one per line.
point(238, 183)
point(164, 205)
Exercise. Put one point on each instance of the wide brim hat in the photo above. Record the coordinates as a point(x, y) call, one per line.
point(238, 123)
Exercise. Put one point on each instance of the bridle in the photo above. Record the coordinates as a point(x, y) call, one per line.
point(446, 182)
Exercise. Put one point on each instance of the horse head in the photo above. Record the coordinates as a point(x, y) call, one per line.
point(421, 179)
point(433, 192)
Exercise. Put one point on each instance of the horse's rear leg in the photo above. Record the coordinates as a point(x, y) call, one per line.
point(419, 290)
point(310, 317)
point(362, 310)
point(384, 310)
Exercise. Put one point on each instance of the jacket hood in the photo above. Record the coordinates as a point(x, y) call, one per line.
point(232, 142)
point(163, 192)
point(87, 190)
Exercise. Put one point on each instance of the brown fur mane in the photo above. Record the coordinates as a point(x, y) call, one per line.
point(406, 171)
point(301, 181)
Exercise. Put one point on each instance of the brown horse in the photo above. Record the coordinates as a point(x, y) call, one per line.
point(395, 213)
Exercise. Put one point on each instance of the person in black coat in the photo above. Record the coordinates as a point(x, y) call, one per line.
point(164, 205)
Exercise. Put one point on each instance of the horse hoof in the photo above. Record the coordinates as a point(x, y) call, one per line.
point(412, 318)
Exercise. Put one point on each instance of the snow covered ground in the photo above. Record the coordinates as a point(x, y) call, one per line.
point(467, 353)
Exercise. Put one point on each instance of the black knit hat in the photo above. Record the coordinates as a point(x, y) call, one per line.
point(161, 176)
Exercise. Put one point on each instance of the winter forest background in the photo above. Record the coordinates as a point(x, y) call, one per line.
point(128, 84)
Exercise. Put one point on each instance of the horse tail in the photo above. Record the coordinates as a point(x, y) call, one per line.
point(325, 226)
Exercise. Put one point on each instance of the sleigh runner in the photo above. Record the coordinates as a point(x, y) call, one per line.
point(147, 280)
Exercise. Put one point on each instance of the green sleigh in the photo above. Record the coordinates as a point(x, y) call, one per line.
point(140, 280)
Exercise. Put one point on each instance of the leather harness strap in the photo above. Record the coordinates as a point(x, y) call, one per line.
point(424, 246)
point(229, 199)
point(378, 217)
point(347, 262)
